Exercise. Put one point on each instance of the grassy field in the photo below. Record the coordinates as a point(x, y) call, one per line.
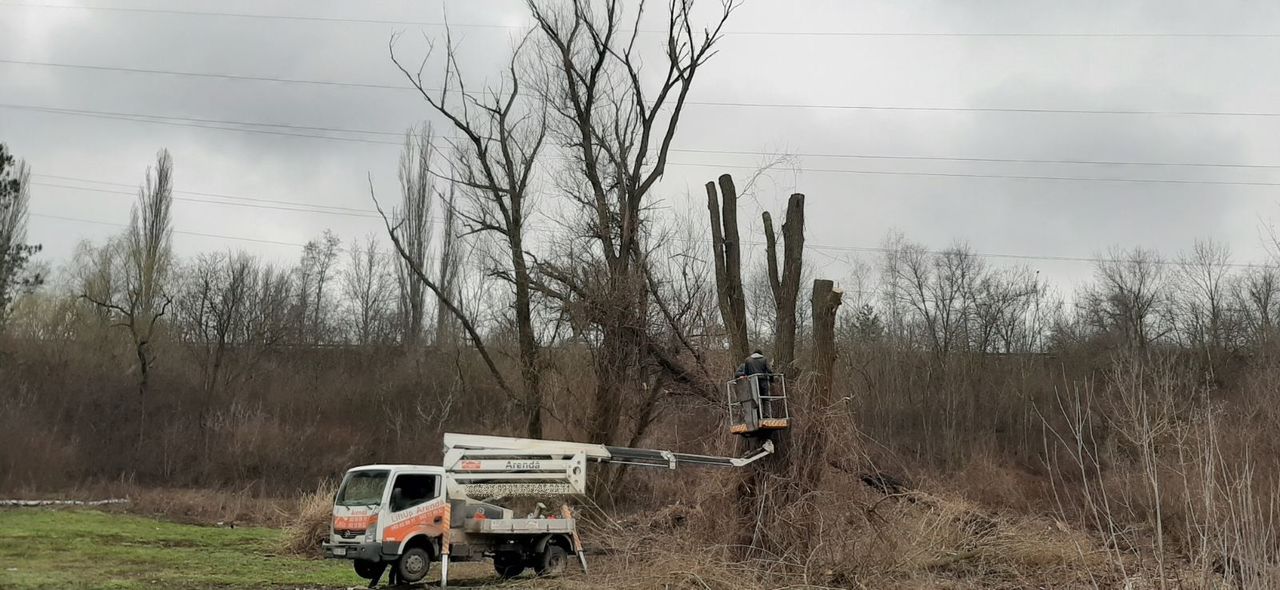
point(46, 549)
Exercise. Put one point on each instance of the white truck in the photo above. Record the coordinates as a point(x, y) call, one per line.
point(407, 516)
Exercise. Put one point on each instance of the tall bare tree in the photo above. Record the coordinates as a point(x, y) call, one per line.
point(212, 311)
point(450, 267)
point(366, 289)
point(14, 251)
point(315, 274)
point(1203, 308)
point(146, 258)
point(619, 126)
point(500, 136)
point(1257, 295)
point(413, 227)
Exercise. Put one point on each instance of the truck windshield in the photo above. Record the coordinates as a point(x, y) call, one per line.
point(362, 488)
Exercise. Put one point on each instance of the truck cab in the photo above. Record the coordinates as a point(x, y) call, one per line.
point(390, 514)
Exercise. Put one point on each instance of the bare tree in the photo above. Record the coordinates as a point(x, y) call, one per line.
point(1257, 295)
point(14, 251)
point(1203, 282)
point(413, 224)
point(212, 311)
point(501, 135)
point(1129, 297)
point(619, 129)
point(314, 276)
point(366, 288)
point(450, 266)
point(935, 291)
point(146, 260)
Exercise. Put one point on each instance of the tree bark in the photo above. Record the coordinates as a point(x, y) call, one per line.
point(728, 264)
point(826, 301)
point(786, 285)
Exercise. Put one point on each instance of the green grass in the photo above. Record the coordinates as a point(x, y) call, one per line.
point(63, 549)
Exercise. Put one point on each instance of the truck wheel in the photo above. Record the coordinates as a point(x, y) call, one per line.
point(414, 564)
point(508, 565)
point(552, 560)
point(368, 569)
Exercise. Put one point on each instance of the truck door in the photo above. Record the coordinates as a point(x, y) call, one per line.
point(416, 507)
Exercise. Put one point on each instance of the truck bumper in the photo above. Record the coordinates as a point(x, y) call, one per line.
point(365, 551)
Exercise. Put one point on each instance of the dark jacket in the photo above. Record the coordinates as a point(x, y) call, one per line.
point(756, 364)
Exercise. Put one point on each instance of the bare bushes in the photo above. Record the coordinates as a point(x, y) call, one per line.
point(1167, 478)
point(843, 535)
point(311, 521)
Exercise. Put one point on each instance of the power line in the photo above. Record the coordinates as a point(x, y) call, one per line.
point(925, 34)
point(191, 122)
point(976, 159)
point(211, 202)
point(702, 103)
point(336, 208)
point(814, 246)
point(245, 77)
point(1002, 176)
point(183, 122)
point(176, 121)
point(176, 231)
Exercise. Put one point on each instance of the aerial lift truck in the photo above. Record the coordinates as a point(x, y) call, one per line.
point(408, 516)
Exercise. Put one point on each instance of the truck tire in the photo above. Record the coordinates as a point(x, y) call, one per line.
point(368, 569)
point(414, 564)
point(508, 565)
point(552, 561)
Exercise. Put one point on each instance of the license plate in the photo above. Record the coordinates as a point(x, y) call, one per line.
point(339, 551)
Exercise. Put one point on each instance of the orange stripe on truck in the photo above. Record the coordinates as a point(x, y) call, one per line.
point(432, 520)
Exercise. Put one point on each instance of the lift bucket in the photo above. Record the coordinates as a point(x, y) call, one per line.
point(757, 403)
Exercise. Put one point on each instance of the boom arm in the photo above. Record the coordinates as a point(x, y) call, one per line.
point(488, 466)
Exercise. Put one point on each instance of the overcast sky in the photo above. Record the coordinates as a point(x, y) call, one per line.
point(791, 65)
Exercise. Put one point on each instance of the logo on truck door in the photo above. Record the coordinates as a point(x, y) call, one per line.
point(431, 518)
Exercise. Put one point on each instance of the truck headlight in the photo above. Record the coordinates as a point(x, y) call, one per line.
point(369, 534)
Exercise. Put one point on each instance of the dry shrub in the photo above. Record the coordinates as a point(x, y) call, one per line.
point(211, 507)
point(184, 505)
point(311, 520)
point(845, 535)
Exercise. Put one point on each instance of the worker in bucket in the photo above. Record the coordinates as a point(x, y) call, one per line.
point(755, 367)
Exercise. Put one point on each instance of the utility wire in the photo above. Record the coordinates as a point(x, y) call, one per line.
point(335, 208)
point(703, 103)
point(201, 125)
point(220, 124)
point(176, 231)
point(211, 202)
point(323, 19)
point(1000, 176)
point(814, 246)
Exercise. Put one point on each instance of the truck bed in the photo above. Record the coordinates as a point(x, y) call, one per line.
point(520, 526)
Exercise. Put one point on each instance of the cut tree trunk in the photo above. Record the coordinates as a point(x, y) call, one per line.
point(786, 284)
point(728, 263)
point(772, 486)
